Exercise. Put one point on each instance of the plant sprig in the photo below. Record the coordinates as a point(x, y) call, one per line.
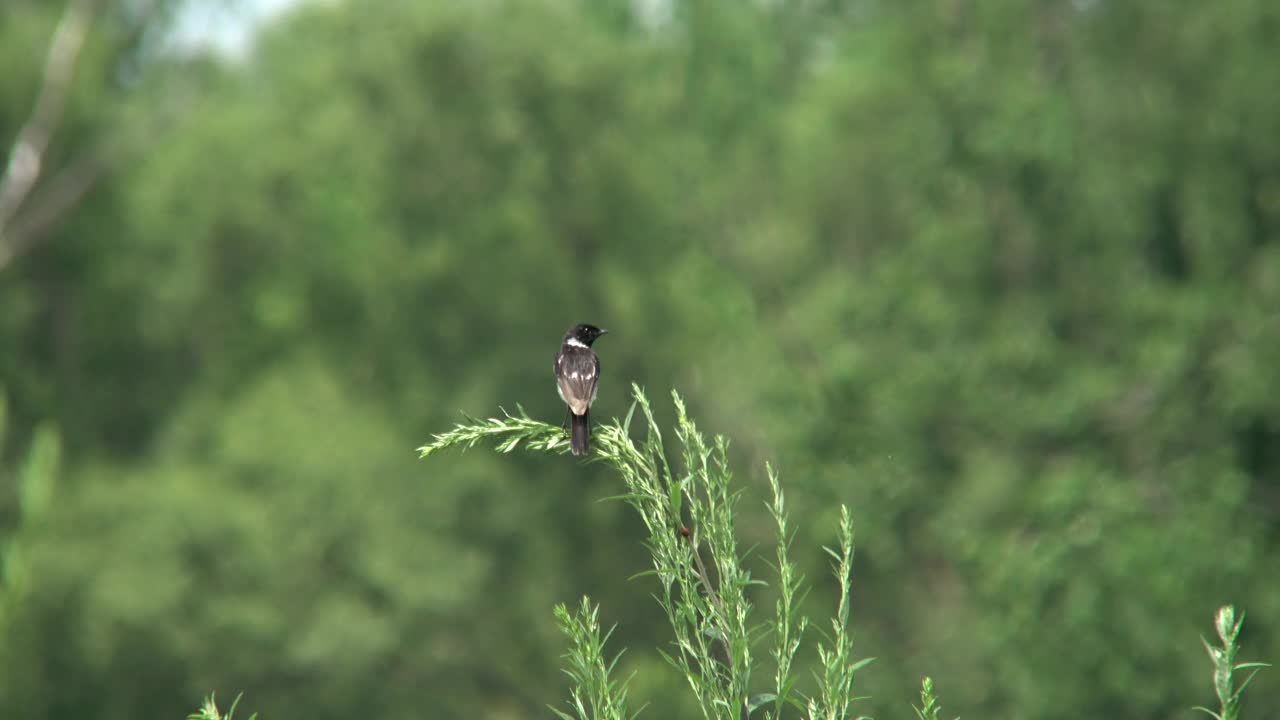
point(703, 583)
point(930, 708)
point(595, 695)
point(209, 710)
point(1225, 665)
point(512, 430)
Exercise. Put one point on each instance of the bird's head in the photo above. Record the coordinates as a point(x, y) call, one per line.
point(584, 333)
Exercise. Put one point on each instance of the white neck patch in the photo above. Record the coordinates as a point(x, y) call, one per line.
point(575, 342)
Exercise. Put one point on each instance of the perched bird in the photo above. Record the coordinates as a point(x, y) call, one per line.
point(577, 372)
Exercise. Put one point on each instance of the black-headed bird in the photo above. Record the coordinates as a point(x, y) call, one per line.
point(577, 372)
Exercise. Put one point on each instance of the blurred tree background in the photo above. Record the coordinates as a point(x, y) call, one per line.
point(1003, 275)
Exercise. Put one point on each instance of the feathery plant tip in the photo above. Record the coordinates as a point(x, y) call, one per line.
point(930, 708)
point(510, 430)
point(1225, 665)
point(209, 710)
point(595, 695)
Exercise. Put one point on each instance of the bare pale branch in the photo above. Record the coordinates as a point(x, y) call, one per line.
point(26, 157)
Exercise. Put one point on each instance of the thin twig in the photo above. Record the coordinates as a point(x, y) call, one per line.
point(61, 194)
point(27, 155)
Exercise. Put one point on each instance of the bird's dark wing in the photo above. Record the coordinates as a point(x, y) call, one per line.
point(577, 372)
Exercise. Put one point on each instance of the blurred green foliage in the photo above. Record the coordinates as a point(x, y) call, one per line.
point(1002, 275)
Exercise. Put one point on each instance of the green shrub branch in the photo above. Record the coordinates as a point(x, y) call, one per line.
point(704, 586)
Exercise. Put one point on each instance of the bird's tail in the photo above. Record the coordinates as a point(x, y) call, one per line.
point(580, 433)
